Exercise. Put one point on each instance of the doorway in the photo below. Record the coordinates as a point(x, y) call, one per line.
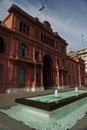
point(47, 72)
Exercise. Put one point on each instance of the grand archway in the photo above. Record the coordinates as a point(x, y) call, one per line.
point(47, 72)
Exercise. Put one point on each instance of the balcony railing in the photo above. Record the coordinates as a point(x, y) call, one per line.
point(19, 58)
point(25, 59)
point(62, 67)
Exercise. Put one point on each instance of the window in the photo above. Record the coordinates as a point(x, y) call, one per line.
point(0, 72)
point(62, 48)
point(2, 45)
point(42, 37)
point(37, 33)
point(23, 27)
point(69, 79)
point(52, 42)
point(21, 76)
point(27, 29)
point(72, 68)
point(47, 40)
point(37, 56)
point(58, 62)
point(20, 26)
point(23, 50)
point(38, 77)
point(62, 62)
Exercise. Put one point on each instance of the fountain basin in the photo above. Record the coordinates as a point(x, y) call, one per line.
point(60, 101)
point(57, 113)
point(62, 118)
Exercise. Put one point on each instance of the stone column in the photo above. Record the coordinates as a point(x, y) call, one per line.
point(34, 83)
point(79, 72)
point(58, 82)
point(55, 76)
point(62, 78)
point(42, 78)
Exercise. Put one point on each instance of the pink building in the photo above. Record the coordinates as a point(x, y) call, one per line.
point(33, 56)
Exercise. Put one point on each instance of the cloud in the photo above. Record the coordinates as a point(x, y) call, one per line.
point(4, 5)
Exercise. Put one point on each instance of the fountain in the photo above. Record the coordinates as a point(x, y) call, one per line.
point(58, 87)
point(56, 93)
point(76, 89)
point(44, 112)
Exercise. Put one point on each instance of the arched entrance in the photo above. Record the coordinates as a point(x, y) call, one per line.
point(47, 72)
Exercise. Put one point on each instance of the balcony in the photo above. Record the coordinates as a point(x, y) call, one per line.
point(63, 67)
point(21, 59)
point(24, 59)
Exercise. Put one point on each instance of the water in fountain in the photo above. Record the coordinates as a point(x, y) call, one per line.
point(76, 89)
point(56, 93)
point(58, 87)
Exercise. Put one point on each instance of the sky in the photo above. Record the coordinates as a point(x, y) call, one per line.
point(67, 17)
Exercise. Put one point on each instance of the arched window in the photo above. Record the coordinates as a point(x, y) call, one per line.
point(23, 50)
point(21, 76)
point(2, 45)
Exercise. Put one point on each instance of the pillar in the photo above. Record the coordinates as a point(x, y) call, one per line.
point(34, 83)
point(55, 76)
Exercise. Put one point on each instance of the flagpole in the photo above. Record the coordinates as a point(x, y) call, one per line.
point(47, 12)
point(46, 16)
point(83, 41)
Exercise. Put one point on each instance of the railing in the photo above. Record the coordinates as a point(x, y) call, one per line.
point(27, 59)
point(62, 67)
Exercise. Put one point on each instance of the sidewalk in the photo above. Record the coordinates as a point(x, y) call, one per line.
point(7, 123)
point(9, 99)
point(81, 125)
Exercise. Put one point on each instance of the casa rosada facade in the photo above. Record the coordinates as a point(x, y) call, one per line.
point(33, 56)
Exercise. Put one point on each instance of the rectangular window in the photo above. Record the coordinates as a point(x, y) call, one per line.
point(0, 72)
point(62, 48)
point(27, 29)
point(31, 74)
point(24, 28)
point(20, 26)
point(2, 45)
point(2, 48)
point(42, 37)
point(37, 56)
point(70, 79)
point(23, 50)
point(21, 79)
